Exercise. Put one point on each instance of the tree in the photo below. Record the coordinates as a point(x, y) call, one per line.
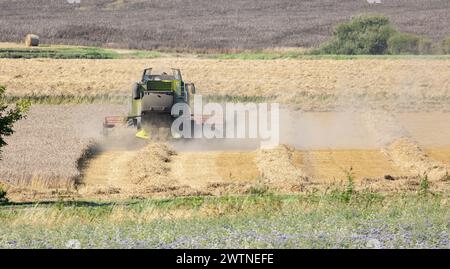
point(9, 115)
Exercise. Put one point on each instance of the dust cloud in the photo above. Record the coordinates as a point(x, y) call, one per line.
point(349, 129)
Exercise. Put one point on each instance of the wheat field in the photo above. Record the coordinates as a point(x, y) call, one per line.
point(48, 146)
point(313, 84)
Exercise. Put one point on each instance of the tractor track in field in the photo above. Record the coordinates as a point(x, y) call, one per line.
point(198, 169)
point(194, 169)
point(157, 169)
point(108, 168)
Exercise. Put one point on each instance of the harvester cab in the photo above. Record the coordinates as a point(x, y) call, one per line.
point(152, 100)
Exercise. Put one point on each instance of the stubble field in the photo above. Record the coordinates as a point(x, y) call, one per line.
point(380, 122)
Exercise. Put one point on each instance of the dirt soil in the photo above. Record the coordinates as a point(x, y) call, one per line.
point(210, 24)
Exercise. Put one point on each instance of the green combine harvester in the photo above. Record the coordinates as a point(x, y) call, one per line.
point(152, 100)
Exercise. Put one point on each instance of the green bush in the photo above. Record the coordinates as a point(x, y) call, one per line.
point(258, 190)
point(425, 46)
point(373, 34)
point(402, 43)
point(365, 34)
point(424, 186)
point(446, 45)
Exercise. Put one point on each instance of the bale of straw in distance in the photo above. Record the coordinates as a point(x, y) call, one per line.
point(32, 40)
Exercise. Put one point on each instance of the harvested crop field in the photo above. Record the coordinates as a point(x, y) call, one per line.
point(82, 164)
point(210, 24)
point(156, 170)
point(340, 115)
point(126, 168)
point(281, 170)
point(440, 154)
point(197, 169)
point(313, 85)
point(122, 166)
point(332, 165)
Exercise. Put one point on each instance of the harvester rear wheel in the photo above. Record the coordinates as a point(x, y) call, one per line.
point(138, 123)
point(135, 92)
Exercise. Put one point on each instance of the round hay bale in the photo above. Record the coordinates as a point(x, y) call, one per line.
point(32, 40)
